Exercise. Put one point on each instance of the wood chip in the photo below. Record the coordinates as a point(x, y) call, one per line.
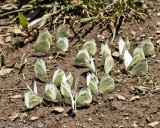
point(153, 124)
point(120, 97)
point(33, 118)
point(16, 96)
point(59, 109)
point(135, 98)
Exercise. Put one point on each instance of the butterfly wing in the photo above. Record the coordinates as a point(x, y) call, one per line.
point(105, 51)
point(32, 99)
point(62, 44)
point(109, 63)
point(140, 68)
point(40, 68)
point(106, 84)
point(84, 97)
point(127, 59)
point(90, 45)
point(91, 65)
point(82, 56)
point(62, 31)
point(57, 77)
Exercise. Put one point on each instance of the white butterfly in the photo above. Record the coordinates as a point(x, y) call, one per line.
point(43, 41)
point(105, 51)
point(148, 47)
point(62, 31)
point(57, 77)
point(109, 63)
point(82, 56)
point(52, 93)
point(92, 83)
point(31, 97)
point(123, 46)
point(81, 98)
point(136, 65)
point(40, 68)
point(23, 59)
point(106, 84)
point(91, 65)
point(90, 45)
point(62, 44)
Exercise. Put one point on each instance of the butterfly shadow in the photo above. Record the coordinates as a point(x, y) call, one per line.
point(39, 80)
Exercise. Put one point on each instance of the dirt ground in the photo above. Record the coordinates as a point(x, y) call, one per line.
point(134, 103)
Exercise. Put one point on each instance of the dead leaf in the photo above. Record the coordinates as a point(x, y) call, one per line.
point(59, 109)
point(33, 118)
point(5, 71)
point(135, 98)
point(16, 96)
point(13, 116)
point(153, 124)
point(120, 97)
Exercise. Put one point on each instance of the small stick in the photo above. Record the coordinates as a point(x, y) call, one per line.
point(14, 89)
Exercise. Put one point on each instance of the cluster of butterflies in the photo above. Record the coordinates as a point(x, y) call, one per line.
point(60, 87)
point(136, 64)
point(44, 40)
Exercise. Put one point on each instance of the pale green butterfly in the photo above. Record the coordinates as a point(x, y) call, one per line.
point(109, 63)
point(66, 88)
point(82, 56)
point(105, 51)
point(92, 83)
point(140, 68)
point(57, 77)
point(90, 45)
point(62, 44)
point(62, 31)
point(136, 63)
point(52, 93)
point(139, 51)
point(31, 97)
point(43, 41)
point(106, 83)
point(40, 68)
point(148, 47)
point(90, 65)
point(70, 78)
point(82, 98)
point(123, 46)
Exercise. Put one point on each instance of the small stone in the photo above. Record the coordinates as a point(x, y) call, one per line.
point(153, 124)
point(8, 39)
point(133, 33)
point(115, 54)
point(151, 38)
point(154, 56)
point(134, 98)
point(157, 32)
point(138, 39)
point(50, 57)
point(100, 37)
point(135, 125)
point(158, 42)
point(33, 118)
point(59, 109)
point(143, 36)
point(158, 14)
point(22, 116)
point(120, 97)
point(158, 23)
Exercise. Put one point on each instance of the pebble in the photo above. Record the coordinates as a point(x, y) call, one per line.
point(120, 97)
point(133, 33)
point(115, 54)
point(134, 98)
point(157, 32)
point(158, 42)
point(158, 23)
point(153, 124)
point(158, 14)
point(143, 36)
point(33, 118)
point(8, 39)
